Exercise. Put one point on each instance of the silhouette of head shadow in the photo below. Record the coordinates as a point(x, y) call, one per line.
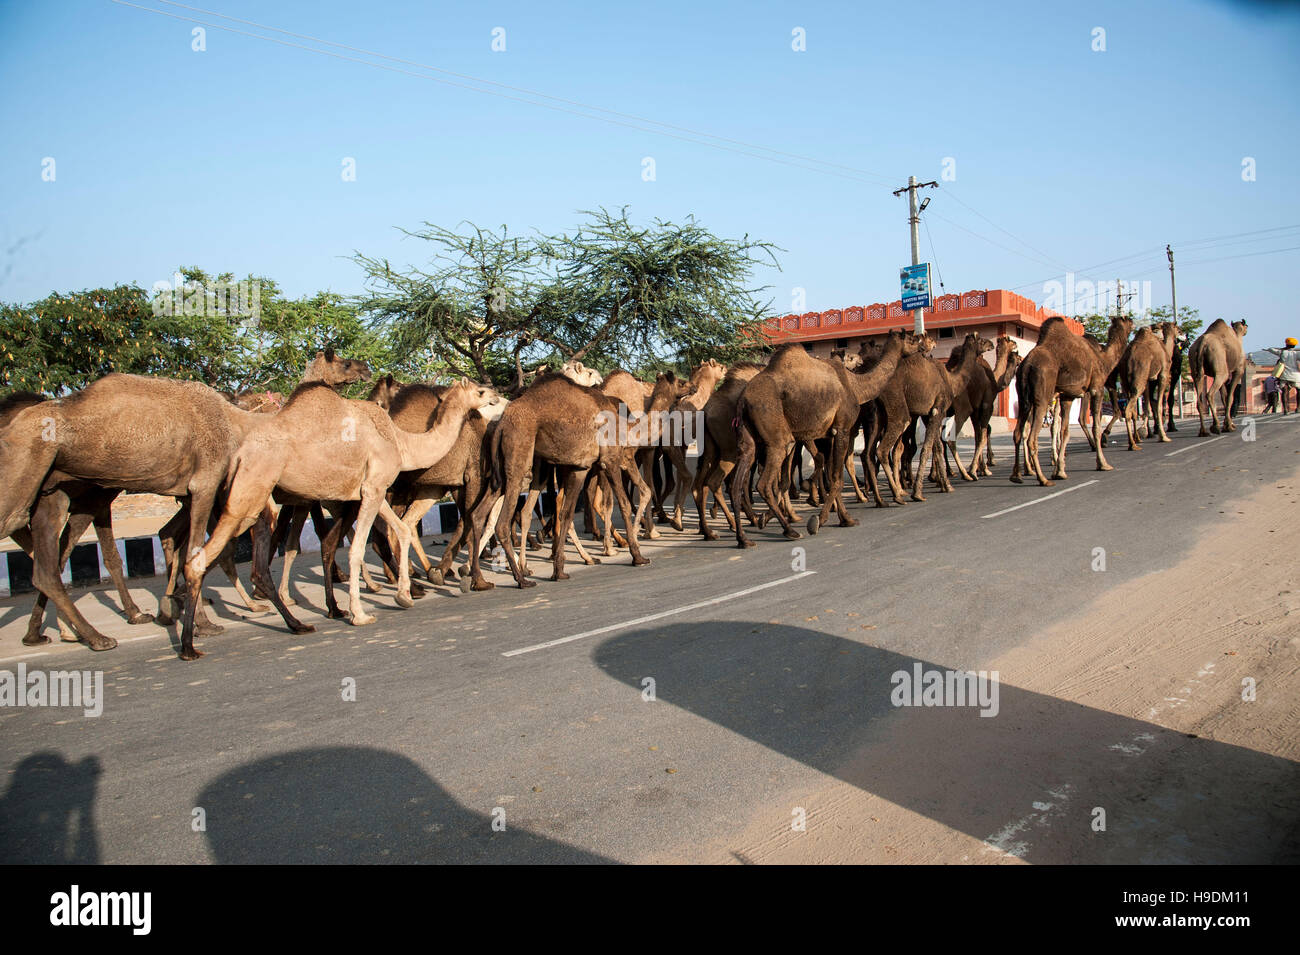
point(357, 805)
point(47, 814)
point(1026, 780)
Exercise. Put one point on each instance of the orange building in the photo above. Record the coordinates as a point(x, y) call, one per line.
point(990, 313)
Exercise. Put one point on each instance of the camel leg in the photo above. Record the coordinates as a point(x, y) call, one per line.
point(72, 532)
point(704, 468)
point(676, 455)
point(404, 587)
point(569, 482)
point(1096, 431)
point(1063, 438)
point(103, 520)
point(517, 462)
point(740, 480)
point(1162, 409)
point(371, 500)
point(292, 545)
point(625, 510)
point(769, 485)
point(526, 519)
point(47, 523)
point(329, 546)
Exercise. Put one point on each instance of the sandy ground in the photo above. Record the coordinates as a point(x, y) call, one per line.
point(1142, 700)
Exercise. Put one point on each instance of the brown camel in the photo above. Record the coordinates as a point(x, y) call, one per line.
point(687, 410)
point(385, 391)
point(324, 447)
point(1144, 372)
point(801, 398)
point(921, 390)
point(1066, 365)
point(1218, 354)
point(719, 452)
point(567, 426)
point(976, 403)
point(87, 504)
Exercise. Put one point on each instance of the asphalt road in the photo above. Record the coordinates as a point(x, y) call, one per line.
point(756, 696)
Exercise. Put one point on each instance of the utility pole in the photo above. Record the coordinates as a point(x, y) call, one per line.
point(914, 219)
point(1177, 384)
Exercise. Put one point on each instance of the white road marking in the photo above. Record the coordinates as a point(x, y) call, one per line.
point(1198, 444)
point(1008, 510)
point(658, 616)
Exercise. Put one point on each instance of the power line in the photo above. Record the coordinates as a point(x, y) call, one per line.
point(633, 121)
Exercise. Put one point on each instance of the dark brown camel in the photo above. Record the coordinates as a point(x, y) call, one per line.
point(801, 398)
point(1217, 355)
point(1066, 365)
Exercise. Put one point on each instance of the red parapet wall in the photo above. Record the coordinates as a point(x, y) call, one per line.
point(952, 309)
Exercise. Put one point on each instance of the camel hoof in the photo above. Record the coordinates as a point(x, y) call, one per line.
point(710, 536)
point(1166, 440)
point(101, 643)
point(791, 535)
point(675, 524)
point(1047, 483)
point(1105, 467)
point(527, 583)
point(481, 584)
point(417, 591)
point(849, 522)
point(814, 524)
point(374, 589)
point(465, 585)
point(362, 619)
point(404, 601)
point(191, 654)
point(1017, 479)
point(302, 628)
point(287, 601)
point(559, 575)
point(255, 607)
point(436, 577)
point(67, 636)
point(139, 618)
point(742, 544)
point(1202, 433)
point(640, 561)
point(209, 629)
point(336, 614)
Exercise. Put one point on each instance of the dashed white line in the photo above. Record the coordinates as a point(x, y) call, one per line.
point(1040, 500)
point(1198, 444)
point(658, 616)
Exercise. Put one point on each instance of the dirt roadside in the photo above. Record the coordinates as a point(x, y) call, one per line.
point(1134, 707)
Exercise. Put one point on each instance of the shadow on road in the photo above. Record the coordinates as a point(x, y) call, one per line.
point(47, 814)
point(356, 805)
point(1027, 779)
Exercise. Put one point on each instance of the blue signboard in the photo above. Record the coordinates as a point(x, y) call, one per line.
point(916, 286)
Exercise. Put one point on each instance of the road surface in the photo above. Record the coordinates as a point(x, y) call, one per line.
point(1122, 617)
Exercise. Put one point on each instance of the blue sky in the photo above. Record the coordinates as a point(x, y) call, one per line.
point(1065, 157)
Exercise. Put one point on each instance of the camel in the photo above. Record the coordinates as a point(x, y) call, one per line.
point(324, 447)
point(88, 504)
point(111, 435)
point(1218, 354)
point(559, 423)
point(975, 404)
point(1144, 372)
point(922, 389)
point(651, 403)
point(1067, 365)
point(801, 398)
point(718, 449)
point(703, 381)
point(385, 391)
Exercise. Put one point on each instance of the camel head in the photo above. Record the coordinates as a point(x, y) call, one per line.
point(1008, 346)
point(925, 344)
point(1239, 327)
point(335, 371)
point(385, 390)
point(580, 374)
point(495, 408)
point(1121, 327)
point(980, 345)
point(469, 395)
point(667, 389)
point(851, 362)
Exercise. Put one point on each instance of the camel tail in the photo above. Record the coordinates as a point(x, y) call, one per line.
point(497, 472)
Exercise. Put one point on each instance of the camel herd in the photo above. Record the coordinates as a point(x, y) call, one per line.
point(264, 462)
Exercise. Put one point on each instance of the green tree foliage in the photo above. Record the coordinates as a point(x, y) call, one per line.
point(611, 293)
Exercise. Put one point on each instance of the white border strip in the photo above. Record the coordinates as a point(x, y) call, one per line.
point(658, 616)
point(1008, 510)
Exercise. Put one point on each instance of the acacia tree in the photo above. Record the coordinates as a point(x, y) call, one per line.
point(610, 293)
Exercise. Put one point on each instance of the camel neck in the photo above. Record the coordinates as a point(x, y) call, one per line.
point(422, 450)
